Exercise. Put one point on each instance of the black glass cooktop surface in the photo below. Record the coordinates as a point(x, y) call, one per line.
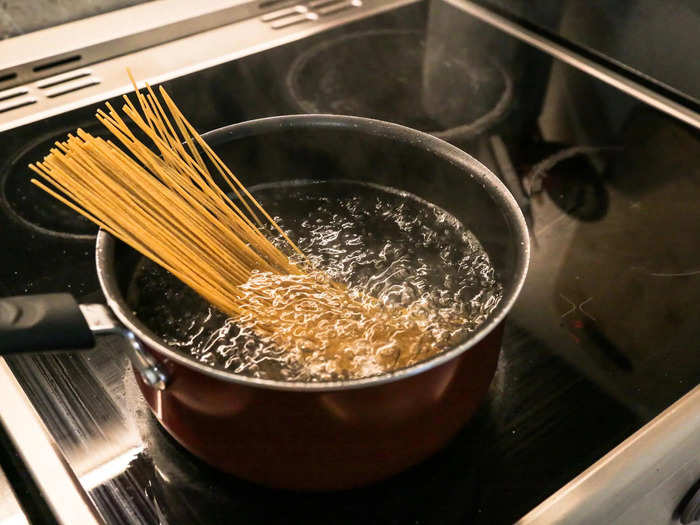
point(646, 40)
point(603, 338)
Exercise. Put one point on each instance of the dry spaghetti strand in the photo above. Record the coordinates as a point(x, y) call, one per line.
point(157, 192)
point(158, 195)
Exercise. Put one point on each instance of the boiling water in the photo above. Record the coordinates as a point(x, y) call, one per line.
point(410, 268)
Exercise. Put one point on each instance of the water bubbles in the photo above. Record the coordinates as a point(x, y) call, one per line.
point(418, 283)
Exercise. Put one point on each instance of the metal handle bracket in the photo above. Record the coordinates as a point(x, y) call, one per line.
point(101, 321)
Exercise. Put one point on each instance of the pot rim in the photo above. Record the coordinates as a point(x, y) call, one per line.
point(438, 147)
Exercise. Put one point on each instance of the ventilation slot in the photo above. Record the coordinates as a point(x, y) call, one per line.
point(15, 98)
point(268, 3)
point(15, 103)
point(7, 76)
point(12, 93)
point(56, 63)
point(63, 78)
point(70, 86)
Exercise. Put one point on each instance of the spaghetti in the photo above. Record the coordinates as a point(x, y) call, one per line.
point(159, 194)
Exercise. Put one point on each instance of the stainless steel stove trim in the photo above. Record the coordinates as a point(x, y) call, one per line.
point(39, 452)
point(642, 480)
point(590, 67)
point(10, 510)
point(35, 55)
point(173, 59)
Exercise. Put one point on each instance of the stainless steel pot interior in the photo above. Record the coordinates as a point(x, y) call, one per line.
point(328, 147)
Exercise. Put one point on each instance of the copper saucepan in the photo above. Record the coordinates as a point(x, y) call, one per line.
point(308, 436)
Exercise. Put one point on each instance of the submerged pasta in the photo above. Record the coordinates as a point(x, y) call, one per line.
point(415, 283)
point(159, 194)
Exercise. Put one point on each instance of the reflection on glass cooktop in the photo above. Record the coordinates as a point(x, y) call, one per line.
point(603, 337)
point(509, 456)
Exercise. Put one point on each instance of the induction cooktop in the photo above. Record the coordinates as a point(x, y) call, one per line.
point(602, 340)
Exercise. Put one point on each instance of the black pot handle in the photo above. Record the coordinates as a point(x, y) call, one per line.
point(33, 323)
point(39, 323)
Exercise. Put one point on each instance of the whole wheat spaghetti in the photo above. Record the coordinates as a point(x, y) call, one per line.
point(158, 193)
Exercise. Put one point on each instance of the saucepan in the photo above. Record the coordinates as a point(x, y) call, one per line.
point(311, 435)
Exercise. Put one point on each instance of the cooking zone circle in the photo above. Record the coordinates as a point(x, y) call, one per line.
point(33, 207)
point(382, 74)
